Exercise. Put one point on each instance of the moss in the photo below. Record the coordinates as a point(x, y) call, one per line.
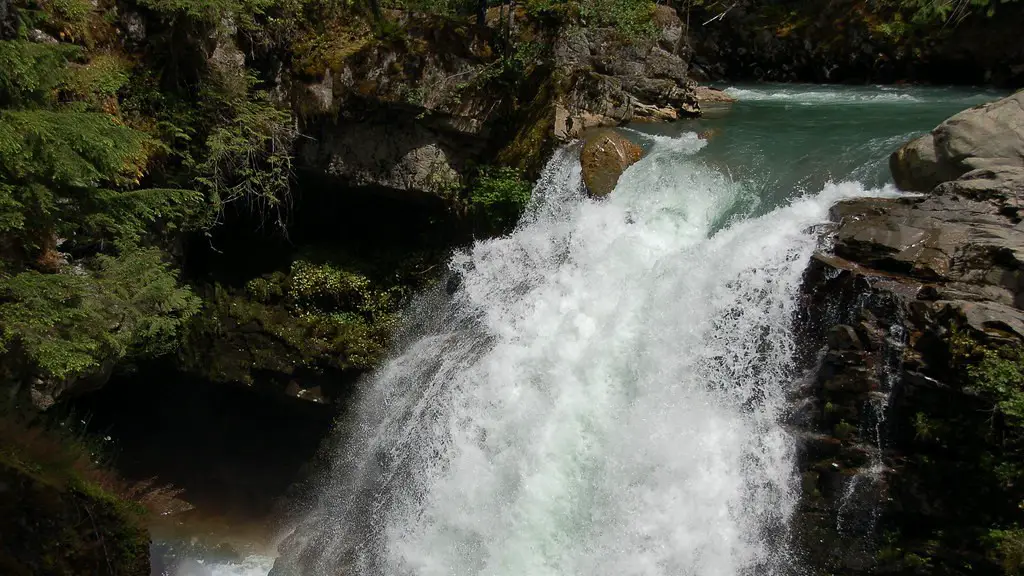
point(318, 51)
point(534, 140)
point(325, 314)
point(845, 431)
point(60, 512)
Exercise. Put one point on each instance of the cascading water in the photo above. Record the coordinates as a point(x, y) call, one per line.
point(603, 390)
point(602, 395)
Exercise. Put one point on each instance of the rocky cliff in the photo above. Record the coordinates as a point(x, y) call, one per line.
point(856, 41)
point(400, 133)
point(911, 413)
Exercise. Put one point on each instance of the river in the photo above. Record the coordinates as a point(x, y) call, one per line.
point(603, 393)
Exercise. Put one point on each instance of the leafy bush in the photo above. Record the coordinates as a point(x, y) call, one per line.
point(248, 155)
point(32, 73)
point(70, 176)
point(633, 18)
point(1008, 546)
point(996, 371)
point(498, 198)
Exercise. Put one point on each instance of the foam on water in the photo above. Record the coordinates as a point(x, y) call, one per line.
point(602, 395)
point(811, 96)
point(251, 566)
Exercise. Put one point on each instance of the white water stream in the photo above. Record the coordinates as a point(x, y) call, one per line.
point(602, 396)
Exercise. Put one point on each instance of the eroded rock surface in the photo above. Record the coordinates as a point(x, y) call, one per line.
point(903, 439)
point(612, 81)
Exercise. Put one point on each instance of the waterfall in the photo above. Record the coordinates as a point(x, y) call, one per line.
point(601, 394)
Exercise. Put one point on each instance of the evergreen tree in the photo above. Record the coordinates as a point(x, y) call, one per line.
point(79, 288)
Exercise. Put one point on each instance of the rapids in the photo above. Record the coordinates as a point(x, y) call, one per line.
point(603, 390)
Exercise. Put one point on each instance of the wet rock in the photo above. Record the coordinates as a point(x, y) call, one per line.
point(986, 136)
point(844, 337)
point(709, 95)
point(902, 277)
point(606, 155)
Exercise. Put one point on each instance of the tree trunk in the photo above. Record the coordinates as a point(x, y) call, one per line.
point(481, 13)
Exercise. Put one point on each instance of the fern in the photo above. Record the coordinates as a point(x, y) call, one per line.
point(32, 73)
point(71, 323)
point(69, 149)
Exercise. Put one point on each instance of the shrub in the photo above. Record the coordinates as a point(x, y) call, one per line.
point(498, 197)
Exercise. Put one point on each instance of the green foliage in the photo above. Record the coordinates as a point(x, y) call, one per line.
point(32, 73)
point(996, 371)
point(498, 197)
point(439, 7)
point(344, 311)
point(69, 19)
point(844, 430)
point(248, 155)
point(1008, 549)
point(71, 323)
point(70, 175)
point(67, 174)
point(632, 18)
point(242, 12)
point(924, 427)
point(1001, 372)
point(102, 77)
point(70, 149)
point(325, 289)
point(898, 20)
point(265, 290)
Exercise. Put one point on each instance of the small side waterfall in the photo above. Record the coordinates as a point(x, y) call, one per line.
point(602, 394)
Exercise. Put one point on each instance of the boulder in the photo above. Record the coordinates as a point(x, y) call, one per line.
point(606, 155)
point(709, 95)
point(982, 137)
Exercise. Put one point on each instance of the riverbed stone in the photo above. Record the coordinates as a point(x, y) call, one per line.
point(605, 156)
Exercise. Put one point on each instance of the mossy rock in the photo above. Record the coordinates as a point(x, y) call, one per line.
point(68, 530)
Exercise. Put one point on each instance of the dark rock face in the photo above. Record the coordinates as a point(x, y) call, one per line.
point(413, 117)
point(851, 41)
point(902, 445)
point(65, 532)
point(408, 117)
point(605, 156)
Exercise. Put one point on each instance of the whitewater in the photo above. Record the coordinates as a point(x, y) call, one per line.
point(602, 393)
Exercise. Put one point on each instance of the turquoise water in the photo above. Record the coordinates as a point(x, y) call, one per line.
point(782, 141)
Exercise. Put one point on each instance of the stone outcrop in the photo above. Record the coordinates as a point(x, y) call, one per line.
point(407, 117)
point(852, 41)
point(611, 81)
point(605, 156)
point(711, 96)
point(987, 136)
point(904, 438)
point(413, 117)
